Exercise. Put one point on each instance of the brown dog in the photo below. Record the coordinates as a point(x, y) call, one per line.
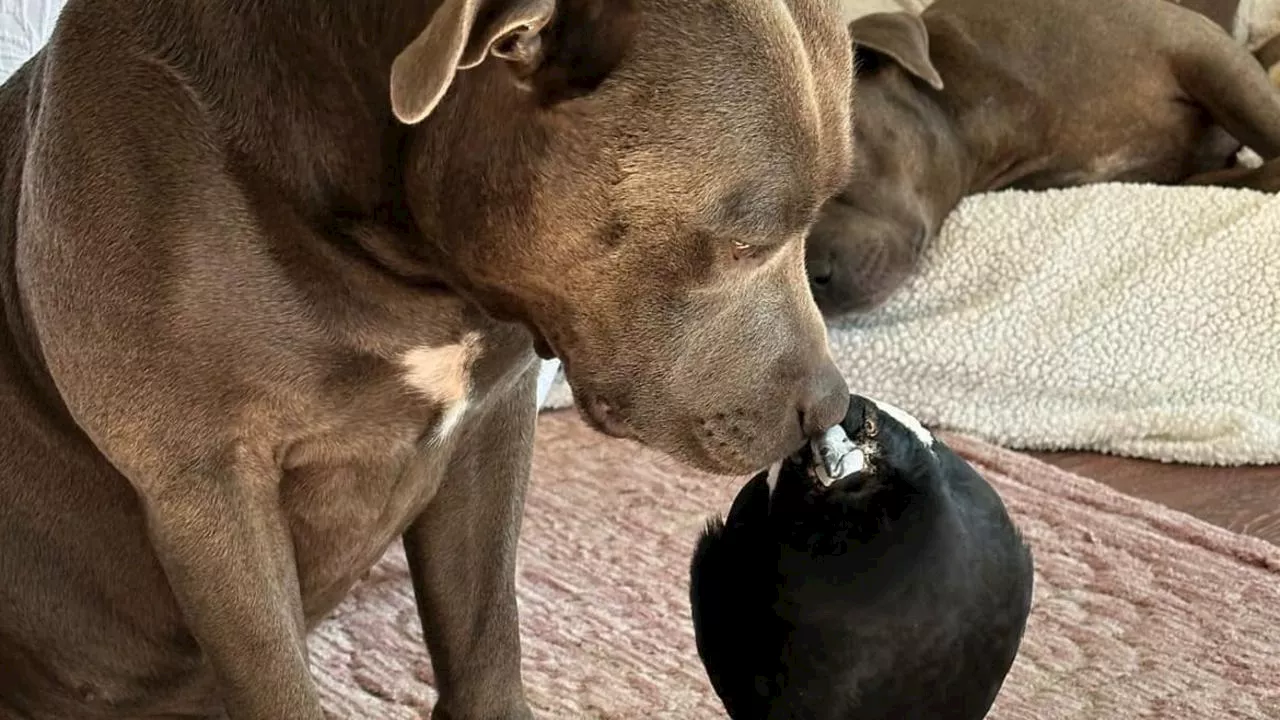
point(256, 327)
point(974, 95)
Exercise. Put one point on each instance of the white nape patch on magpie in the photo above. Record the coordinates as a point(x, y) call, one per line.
point(907, 420)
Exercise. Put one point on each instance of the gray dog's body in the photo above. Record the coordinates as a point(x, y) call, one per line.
point(256, 328)
point(974, 96)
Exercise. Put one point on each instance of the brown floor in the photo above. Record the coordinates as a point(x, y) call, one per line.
point(1245, 499)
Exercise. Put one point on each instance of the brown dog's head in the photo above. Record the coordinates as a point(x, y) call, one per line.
point(870, 237)
point(634, 180)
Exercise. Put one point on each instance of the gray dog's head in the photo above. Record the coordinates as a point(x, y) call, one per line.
point(871, 235)
point(633, 180)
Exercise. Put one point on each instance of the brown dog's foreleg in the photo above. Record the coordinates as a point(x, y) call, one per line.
point(1265, 177)
point(1230, 83)
point(462, 554)
point(227, 552)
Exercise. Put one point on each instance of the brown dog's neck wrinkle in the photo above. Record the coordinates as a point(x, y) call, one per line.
point(945, 175)
point(314, 73)
point(954, 162)
point(991, 112)
point(1005, 160)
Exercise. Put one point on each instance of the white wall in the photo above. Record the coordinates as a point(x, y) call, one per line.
point(25, 25)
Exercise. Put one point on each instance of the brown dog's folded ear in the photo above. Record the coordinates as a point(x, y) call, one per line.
point(460, 35)
point(900, 36)
point(557, 48)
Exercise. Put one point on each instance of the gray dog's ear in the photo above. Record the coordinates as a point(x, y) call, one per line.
point(460, 35)
point(900, 36)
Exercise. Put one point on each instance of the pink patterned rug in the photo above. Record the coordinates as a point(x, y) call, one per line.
point(1140, 612)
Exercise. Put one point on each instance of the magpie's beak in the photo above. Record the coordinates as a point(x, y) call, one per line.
point(835, 457)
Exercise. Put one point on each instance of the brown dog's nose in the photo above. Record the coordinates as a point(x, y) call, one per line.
point(825, 401)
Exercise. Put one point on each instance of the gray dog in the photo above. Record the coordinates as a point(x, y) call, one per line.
point(273, 277)
point(976, 95)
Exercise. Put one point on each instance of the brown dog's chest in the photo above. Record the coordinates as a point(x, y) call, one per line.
point(362, 441)
point(371, 462)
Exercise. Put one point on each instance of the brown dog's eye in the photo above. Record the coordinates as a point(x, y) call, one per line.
point(744, 251)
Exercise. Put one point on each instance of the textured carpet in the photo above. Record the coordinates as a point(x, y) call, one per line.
point(1140, 612)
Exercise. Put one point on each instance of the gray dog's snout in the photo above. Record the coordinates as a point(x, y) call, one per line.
point(819, 269)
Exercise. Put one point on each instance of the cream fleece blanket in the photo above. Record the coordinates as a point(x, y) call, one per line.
point(1131, 319)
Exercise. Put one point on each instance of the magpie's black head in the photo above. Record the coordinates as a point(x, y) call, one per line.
point(899, 591)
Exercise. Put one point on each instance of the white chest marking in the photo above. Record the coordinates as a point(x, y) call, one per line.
point(443, 375)
point(907, 420)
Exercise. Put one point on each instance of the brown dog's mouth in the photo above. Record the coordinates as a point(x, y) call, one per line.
point(541, 346)
point(605, 417)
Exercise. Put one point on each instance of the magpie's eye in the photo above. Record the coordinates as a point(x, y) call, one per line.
point(744, 251)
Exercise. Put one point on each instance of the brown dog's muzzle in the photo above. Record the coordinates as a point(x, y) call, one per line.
point(822, 401)
point(727, 435)
point(729, 380)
